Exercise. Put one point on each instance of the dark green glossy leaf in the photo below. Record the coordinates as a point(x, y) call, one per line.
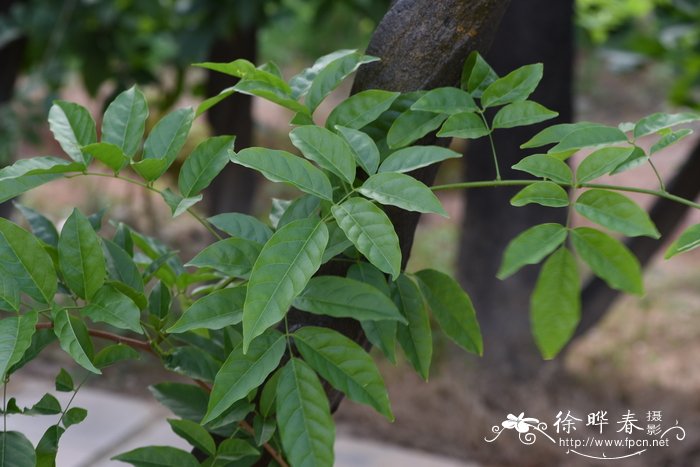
point(544, 193)
point(601, 162)
point(285, 265)
point(74, 416)
point(590, 135)
point(303, 417)
point(15, 338)
point(403, 191)
point(204, 164)
point(415, 338)
point(467, 125)
point(192, 362)
point(74, 339)
point(616, 212)
point(121, 267)
point(531, 247)
point(301, 208)
point(345, 365)
point(364, 148)
point(110, 306)
point(341, 297)
point(80, 256)
point(555, 305)
point(301, 83)
point(64, 381)
point(327, 149)
point(411, 126)
point(177, 204)
point(415, 157)
point(47, 405)
point(330, 77)
point(636, 158)
point(114, 354)
point(522, 113)
point(372, 233)
point(242, 226)
point(40, 225)
point(608, 259)
point(231, 256)
point(242, 373)
point(214, 311)
point(124, 121)
point(16, 450)
point(150, 169)
point(281, 166)
point(555, 134)
point(109, 154)
point(545, 166)
point(159, 301)
point(445, 100)
point(452, 309)
point(476, 74)
point(515, 86)
point(73, 127)
point(184, 400)
point(361, 109)
point(194, 434)
point(165, 141)
point(158, 456)
point(47, 448)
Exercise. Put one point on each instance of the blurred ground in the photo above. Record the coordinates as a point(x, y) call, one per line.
point(641, 357)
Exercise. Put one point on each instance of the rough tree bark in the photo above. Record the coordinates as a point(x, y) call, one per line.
point(532, 31)
point(422, 44)
point(233, 190)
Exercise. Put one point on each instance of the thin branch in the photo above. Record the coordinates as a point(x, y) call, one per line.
point(135, 343)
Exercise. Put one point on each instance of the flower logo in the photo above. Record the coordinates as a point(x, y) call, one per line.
point(521, 423)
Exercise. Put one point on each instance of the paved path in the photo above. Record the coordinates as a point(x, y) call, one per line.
point(117, 424)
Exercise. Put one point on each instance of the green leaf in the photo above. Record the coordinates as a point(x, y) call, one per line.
point(74, 416)
point(593, 135)
point(158, 456)
point(265, 89)
point(403, 191)
point(670, 138)
point(9, 292)
point(166, 139)
point(285, 265)
point(124, 121)
point(281, 166)
point(16, 334)
point(555, 305)
point(74, 339)
point(332, 75)
point(415, 338)
point(445, 100)
point(361, 109)
point(341, 297)
point(382, 334)
point(177, 204)
point(301, 208)
point(515, 86)
point(415, 157)
point(303, 417)
point(555, 134)
point(150, 169)
point(64, 381)
point(601, 162)
point(110, 306)
point(80, 256)
point(73, 127)
point(242, 226)
point(544, 193)
point(23, 258)
point(268, 395)
point(688, 240)
point(660, 121)
point(545, 166)
point(476, 74)
point(264, 429)
point(608, 259)
point(41, 226)
point(345, 365)
point(411, 126)
point(40, 340)
point(301, 83)
point(238, 68)
point(243, 372)
point(47, 448)
point(204, 164)
point(194, 434)
point(232, 451)
point(47, 405)
point(531, 247)
point(212, 101)
point(184, 400)
point(121, 267)
point(467, 125)
point(16, 450)
point(616, 212)
point(44, 165)
point(193, 362)
point(159, 301)
point(114, 354)
point(452, 309)
point(635, 159)
point(109, 154)
point(337, 242)
point(327, 149)
point(372, 233)
point(217, 310)
point(522, 113)
point(231, 256)
point(363, 147)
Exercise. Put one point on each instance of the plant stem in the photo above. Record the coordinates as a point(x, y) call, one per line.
point(75, 393)
point(146, 186)
point(135, 343)
point(662, 187)
point(630, 189)
point(493, 146)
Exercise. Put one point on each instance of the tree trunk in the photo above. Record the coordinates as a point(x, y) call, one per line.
point(234, 188)
point(532, 31)
point(11, 56)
